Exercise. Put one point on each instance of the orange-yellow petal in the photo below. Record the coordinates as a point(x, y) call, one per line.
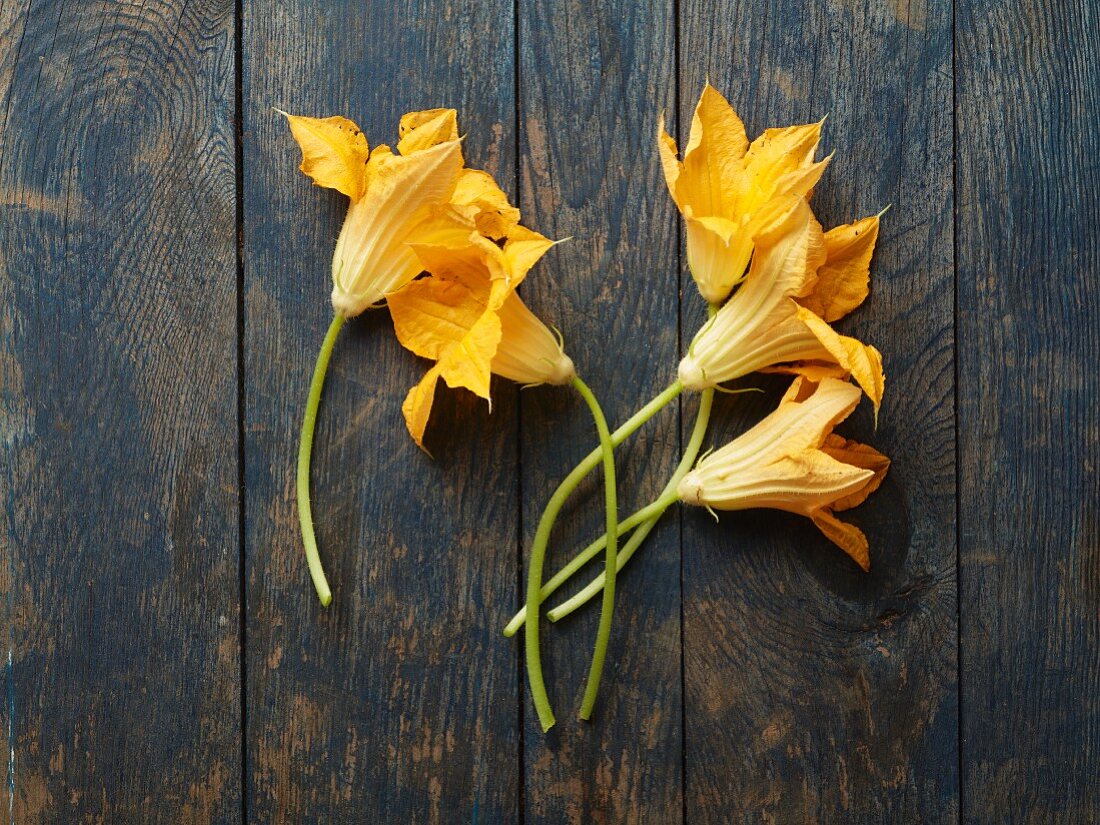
point(778, 153)
point(417, 407)
point(716, 147)
point(842, 281)
point(862, 361)
point(478, 197)
point(847, 537)
point(425, 129)
point(670, 163)
point(858, 455)
point(334, 152)
point(431, 314)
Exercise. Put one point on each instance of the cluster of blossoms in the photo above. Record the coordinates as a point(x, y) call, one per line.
point(443, 248)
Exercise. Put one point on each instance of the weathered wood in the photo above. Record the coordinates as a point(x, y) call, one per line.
point(593, 79)
point(118, 400)
point(814, 692)
point(400, 701)
point(1029, 431)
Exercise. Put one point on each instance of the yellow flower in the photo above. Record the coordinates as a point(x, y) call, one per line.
point(724, 186)
point(767, 324)
point(792, 461)
point(468, 318)
point(396, 199)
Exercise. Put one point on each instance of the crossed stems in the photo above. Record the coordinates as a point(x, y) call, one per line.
point(644, 520)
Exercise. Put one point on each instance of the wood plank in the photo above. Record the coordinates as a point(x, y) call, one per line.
point(813, 691)
point(593, 78)
point(1029, 431)
point(118, 412)
point(402, 697)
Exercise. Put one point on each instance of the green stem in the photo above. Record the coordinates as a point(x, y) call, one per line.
point(656, 509)
point(305, 448)
point(542, 538)
point(603, 633)
point(582, 558)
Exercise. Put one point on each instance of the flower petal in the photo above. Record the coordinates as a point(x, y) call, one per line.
point(522, 250)
point(468, 363)
point(712, 167)
point(778, 152)
point(670, 163)
point(417, 406)
point(858, 455)
point(862, 361)
point(431, 314)
point(847, 537)
point(478, 197)
point(425, 129)
point(842, 281)
point(334, 152)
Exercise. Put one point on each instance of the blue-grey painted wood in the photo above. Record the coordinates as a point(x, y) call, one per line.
point(813, 691)
point(118, 413)
point(399, 702)
point(593, 78)
point(1029, 431)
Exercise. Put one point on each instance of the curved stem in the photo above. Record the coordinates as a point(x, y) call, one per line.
point(581, 559)
point(542, 538)
point(305, 449)
point(667, 498)
point(603, 633)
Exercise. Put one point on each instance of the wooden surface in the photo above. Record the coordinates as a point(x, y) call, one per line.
point(163, 291)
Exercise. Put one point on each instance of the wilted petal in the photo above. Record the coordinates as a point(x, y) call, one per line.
point(712, 167)
point(372, 255)
point(847, 537)
point(429, 315)
point(842, 281)
point(862, 361)
point(478, 197)
point(425, 129)
point(417, 406)
point(858, 455)
point(334, 152)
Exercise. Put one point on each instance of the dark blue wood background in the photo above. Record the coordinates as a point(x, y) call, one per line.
point(163, 292)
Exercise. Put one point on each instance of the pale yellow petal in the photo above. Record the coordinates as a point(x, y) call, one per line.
point(372, 255)
point(425, 129)
point(417, 407)
point(844, 278)
point(847, 537)
point(718, 255)
point(529, 353)
point(334, 152)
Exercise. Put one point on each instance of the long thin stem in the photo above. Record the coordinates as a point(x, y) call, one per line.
point(603, 633)
point(582, 558)
point(542, 538)
point(667, 498)
point(657, 509)
point(305, 449)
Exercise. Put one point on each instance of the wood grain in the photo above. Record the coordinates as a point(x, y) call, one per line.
point(118, 399)
point(1029, 430)
point(593, 79)
point(399, 701)
point(814, 692)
